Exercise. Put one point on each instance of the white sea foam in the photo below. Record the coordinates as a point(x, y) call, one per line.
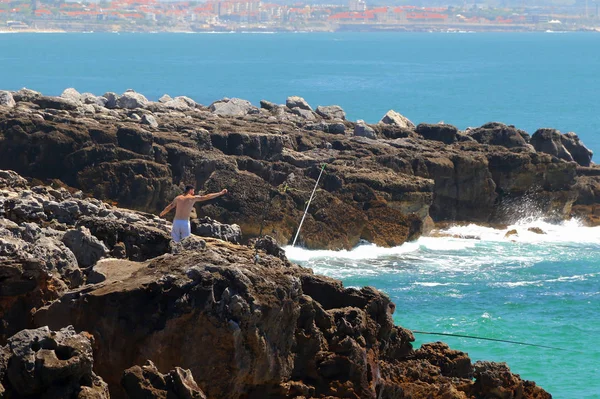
point(568, 231)
point(483, 246)
point(427, 284)
point(362, 252)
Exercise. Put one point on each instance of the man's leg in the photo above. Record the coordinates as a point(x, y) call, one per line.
point(186, 229)
point(176, 231)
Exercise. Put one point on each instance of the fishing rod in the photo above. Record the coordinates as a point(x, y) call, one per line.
point(307, 205)
point(493, 339)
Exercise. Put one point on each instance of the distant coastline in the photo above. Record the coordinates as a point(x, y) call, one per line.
point(36, 31)
point(365, 28)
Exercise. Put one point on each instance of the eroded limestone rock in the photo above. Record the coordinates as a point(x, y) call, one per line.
point(50, 365)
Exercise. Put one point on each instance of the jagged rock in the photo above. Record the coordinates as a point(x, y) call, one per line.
point(180, 104)
point(190, 102)
point(327, 127)
point(71, 94)
point(142, 240)
point(131, 100)
point(51, 365)
point(148, 382)
point(193, 243)
point(510, 233)
point(495, 380)
point(461, 137)
point(119, 250)
point(331, 112)
point(165, 98)
point(87, 248)
point(255, 311)
point(271, 327)
point(149, 120)
point(550, 141)
point(58, 257)
point(452, 363)
point(31, 257)
point(269, 245)
point(361, 129)
point(304, 113)
point(297, 102)
point(176, 104)
point(447, 134)
point(89, 98)
point(335, 128)
point(580, 153)
point(392, 131)
point(268, 105)
point(111, 100)
point(26, 95)
point(207, 227)
point(231, 107)
point(465, 180)
point(495, 133)
point(135, 139)
point(536, 230)
point(11, 179)
point(6, 99)
point(394, 118)
point(58, 103)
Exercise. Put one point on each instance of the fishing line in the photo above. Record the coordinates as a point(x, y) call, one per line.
point(493, 339)
point(307, 205)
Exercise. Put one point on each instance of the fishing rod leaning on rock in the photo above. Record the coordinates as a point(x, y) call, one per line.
point(307, 205)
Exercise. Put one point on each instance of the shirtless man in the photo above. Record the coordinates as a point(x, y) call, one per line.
point(183, 205)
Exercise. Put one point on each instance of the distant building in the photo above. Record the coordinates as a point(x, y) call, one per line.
point(357, 5)
point(537, 19)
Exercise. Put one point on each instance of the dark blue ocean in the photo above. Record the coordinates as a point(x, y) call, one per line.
point(540, 289)
point(529, 80)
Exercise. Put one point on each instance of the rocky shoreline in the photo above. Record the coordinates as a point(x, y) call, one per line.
point(385, 183)
point(95, 303)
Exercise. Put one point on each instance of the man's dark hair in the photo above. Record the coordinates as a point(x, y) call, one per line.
point(188, 188)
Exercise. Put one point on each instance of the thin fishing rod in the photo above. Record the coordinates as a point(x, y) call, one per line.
point(493, 339)
point(307, 205)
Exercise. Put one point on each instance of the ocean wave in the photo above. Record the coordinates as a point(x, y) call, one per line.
point(529, 230)
point(362, 252)
point(541, 282)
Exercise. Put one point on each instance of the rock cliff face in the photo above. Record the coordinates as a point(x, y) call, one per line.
point(49, 364)
point(384, 183)
point(226, 323)
point(272, 328)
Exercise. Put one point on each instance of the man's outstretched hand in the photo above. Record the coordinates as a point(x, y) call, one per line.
point(224, 191)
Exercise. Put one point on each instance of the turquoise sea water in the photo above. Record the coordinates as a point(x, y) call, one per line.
point(538, 289)
point(542, 289)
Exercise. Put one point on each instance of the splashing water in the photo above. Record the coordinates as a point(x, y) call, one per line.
point(540, 285)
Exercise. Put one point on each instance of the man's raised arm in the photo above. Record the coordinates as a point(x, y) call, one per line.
point(210, 196)
point(167, 208)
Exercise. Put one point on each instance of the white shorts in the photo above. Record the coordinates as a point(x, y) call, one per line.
point(181, 229)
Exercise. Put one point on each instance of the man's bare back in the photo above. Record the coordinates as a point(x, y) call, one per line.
point(184, 203)
point(183, 206)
